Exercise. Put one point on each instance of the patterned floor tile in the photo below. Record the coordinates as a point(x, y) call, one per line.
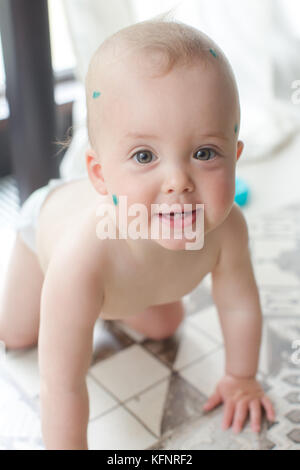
point(205, 433)
point(271, 274)
point(270, 250)
point(280, 301)
point(289, 259)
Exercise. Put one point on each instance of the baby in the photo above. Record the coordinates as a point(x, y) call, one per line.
point(163, 124)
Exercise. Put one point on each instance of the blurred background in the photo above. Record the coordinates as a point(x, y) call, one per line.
point(44, 53)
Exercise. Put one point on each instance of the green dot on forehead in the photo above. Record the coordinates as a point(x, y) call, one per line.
point(115, 199)
point(96, 94)
point(235, 128)
point(213, 52)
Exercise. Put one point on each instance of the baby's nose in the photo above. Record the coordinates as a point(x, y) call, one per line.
point(178, 180)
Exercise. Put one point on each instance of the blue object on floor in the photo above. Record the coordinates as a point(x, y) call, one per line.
point(241, 192)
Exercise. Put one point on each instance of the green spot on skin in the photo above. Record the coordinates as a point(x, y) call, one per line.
point(213, 52)
point(235, 128)
point(115, 199)
point(96, 94)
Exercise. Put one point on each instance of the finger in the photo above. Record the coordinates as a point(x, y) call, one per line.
point(255, 414)
point(266, 402)
point(228, 414)
point(241, 412)
point(213, 401)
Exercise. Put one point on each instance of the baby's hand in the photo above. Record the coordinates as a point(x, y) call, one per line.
point(240, 395)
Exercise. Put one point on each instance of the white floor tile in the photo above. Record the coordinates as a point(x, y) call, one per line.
point(205, 374)
point(100, 401)
point(149, 406)
point(118, 430)
point(129, 372)
point(17, 419)
point(193, 345)
point(23, 369)
point(208, 321)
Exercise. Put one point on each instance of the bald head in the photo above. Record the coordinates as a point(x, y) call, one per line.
point(147, 51)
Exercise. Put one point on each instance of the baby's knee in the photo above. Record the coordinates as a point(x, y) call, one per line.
point(10, 342)
point(170, 322)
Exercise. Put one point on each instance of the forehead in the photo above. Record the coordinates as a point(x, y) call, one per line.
point(200, 95)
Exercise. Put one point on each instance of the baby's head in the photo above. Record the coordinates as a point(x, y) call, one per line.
point(163, 120)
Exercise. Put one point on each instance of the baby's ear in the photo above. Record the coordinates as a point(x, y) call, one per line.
point(94, 170)
point(240, 146)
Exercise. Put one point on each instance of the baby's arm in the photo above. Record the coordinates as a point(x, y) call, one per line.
point(236, 296)
point(70, 305)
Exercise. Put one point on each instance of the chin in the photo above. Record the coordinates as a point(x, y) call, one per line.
point(169, 241)
point(180, 245)
point(172, 245)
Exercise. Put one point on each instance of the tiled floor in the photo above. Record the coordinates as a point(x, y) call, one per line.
point(149, 394)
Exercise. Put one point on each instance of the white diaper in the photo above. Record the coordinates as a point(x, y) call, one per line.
point(29, 213)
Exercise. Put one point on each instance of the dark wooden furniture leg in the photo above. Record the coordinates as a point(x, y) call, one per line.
point(25, 37)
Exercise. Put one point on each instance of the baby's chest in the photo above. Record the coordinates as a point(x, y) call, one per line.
point(129, 292)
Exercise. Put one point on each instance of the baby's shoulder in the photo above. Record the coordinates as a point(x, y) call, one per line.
point(79, 250)
point(235, 224)
point(233, 236)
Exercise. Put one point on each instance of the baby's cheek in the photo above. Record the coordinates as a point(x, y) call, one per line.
point(226, 193)
point(219, 200)
point(220, 189)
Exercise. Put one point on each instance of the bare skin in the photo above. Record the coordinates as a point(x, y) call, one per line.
point(130, 285)
point(141, 282)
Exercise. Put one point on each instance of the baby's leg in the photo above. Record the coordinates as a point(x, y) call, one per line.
point(158, 321)
point(20, 300)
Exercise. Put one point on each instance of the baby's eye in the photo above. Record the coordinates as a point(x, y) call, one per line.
point(205, 154)
point(143, 156)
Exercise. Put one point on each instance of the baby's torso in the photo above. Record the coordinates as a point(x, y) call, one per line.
point(129, 286)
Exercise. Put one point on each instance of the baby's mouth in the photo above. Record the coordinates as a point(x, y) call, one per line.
point(176, 215)
point(178, 220)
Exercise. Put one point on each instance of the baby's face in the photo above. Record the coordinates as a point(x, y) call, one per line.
point(170, 140)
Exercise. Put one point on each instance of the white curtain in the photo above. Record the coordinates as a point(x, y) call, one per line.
point(260, 38)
